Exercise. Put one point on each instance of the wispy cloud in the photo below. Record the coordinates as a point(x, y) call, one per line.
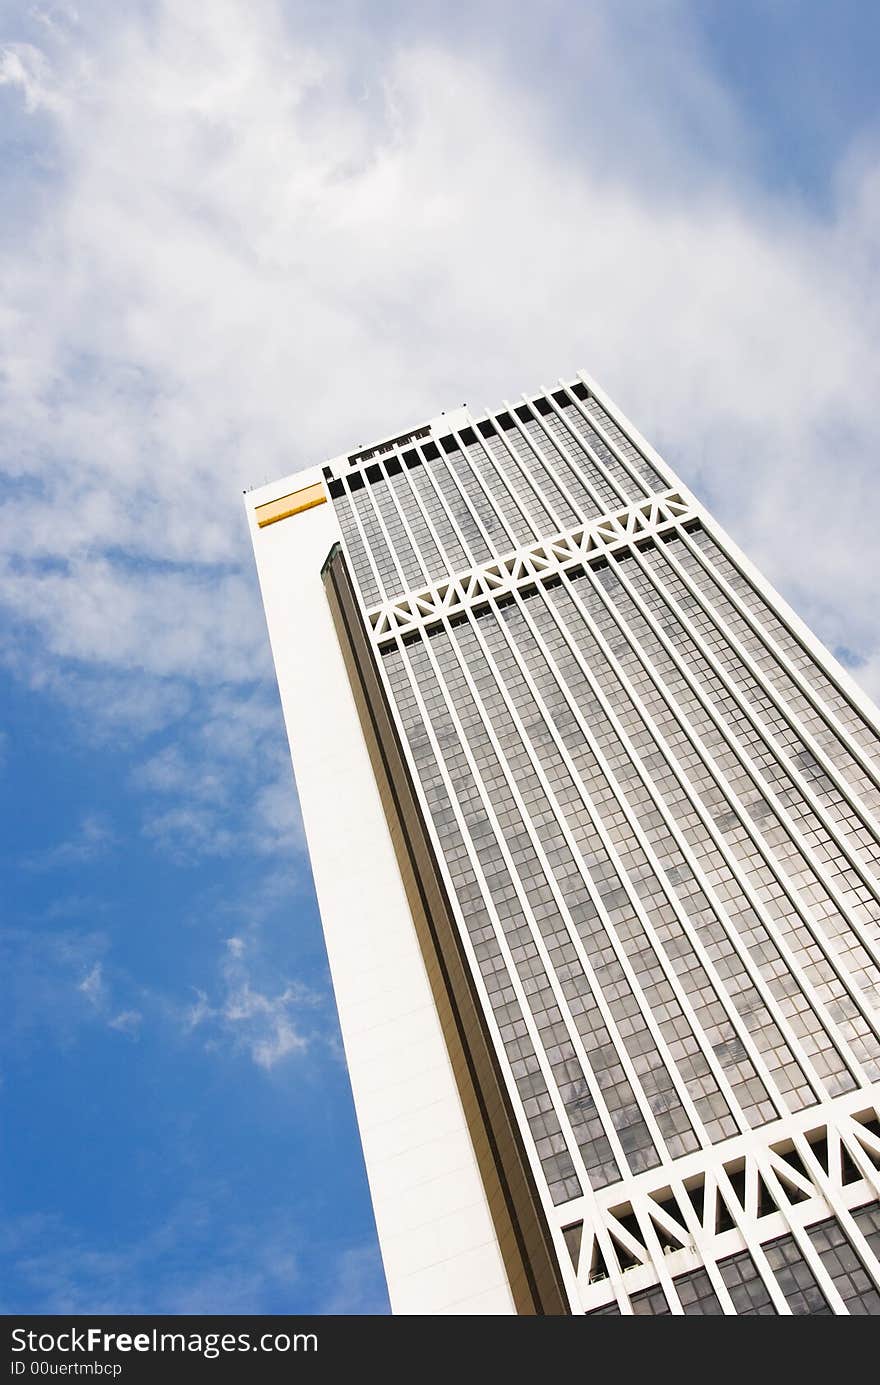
point(25, 67)
point(96, 991)
point(359, 1283)
point(53, 981)
point(241, 240)
point(127, 1021)
point(92, 985)
point(221, 288)
point(197, 1258)
point(221, 784)
point(269, 1024)
point(93, 839)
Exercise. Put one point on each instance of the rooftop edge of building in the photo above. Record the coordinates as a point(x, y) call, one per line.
point(450, 420)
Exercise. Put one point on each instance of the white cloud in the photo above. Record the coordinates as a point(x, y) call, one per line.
point(223, 784)
point(61, 979)
point(282, 1041)
point(168, 772)
point(245, 268)
point(92, 985)
point(25, 67)
point(127, 1021)
point(92, 840)
point(197, 1257)
point(359, 1283)
point(97, 992)
point(247, 244)
point(267, 1023)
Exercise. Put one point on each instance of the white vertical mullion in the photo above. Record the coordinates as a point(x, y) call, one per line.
point(768, 640)
point(412, 494)
point(861, 811)
point(620, 951)
point(368, 549)
point(748, 1227)
point(794, 1044)
point(652, 1245)
point(571, 461)
point(490, 543)
point(721, 913)
point(392, 548)
point(493, 465)
point(702, 1245)
point(577, 854)
point(839, 1208)
point(451, 571)
point(721, 992)
point(640, 443)
point(845, 684)
point(481, 486)
point(728, 735)
point(703, 1042)
point(426, 468)
point(584, 442)
point(721, 782)
point(545, 459)
point(577, 943)
point(587, 1195)
point(801, 1239)
point(869, 1172)
point(528, 915)
point(543, 500)
point(835, 1154)
point(398, 507)
point(551, 479)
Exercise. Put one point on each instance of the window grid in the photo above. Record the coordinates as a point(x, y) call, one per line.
point(431, 560)
point(536, 893)
point(597, 463)
point(556, 448)
point(761, 825)
point(356, 547)
point(657, 949)
point(674, 916)
point(519, 1047)
point(502, 521)
point(777, 634)
point(853, 920)
point(535, 461)
point(605, 701)
point(718, 777)
point(850, 1278)
point(450, 537)
point(459, 503)
point(627, 449)
point(585, 908)
point(625, 683)
point(544, 515)
point(750, 1295)
point(832, 741)
point(657, 811)
point(389, 572)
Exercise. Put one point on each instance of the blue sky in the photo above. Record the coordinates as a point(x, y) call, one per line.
point(237, 239)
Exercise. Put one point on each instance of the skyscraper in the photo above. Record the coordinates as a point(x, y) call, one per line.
point(593, 819)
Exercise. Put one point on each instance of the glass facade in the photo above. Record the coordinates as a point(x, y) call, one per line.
point(655, 806)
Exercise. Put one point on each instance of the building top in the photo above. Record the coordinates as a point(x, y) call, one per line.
point(439, 432)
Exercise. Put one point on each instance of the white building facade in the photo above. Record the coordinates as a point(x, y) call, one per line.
point(594, 821)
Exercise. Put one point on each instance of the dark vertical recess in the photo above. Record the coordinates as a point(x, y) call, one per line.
point(520, 1222)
